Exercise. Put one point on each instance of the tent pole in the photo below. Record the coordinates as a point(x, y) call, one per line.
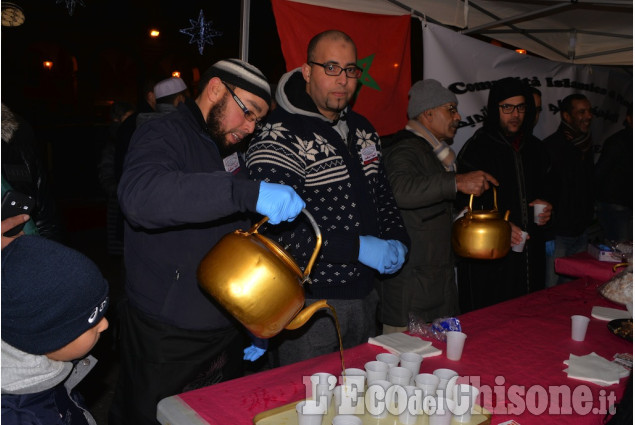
point(520, 17)
point(244, 30)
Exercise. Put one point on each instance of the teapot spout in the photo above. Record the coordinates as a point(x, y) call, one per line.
point(305, 314)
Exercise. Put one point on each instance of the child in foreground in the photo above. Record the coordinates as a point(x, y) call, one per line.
point(53, 305)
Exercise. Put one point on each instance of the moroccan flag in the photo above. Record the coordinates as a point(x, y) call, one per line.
point(383, 52)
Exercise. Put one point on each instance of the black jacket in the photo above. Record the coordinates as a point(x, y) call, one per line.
point(178, 201)
point(570, 188)
point(23, 168)
point(614, 170)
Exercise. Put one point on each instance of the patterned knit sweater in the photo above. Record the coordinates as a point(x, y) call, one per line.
point(336, 168)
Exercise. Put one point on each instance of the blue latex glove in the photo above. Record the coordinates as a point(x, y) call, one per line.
point(550, 248)
point(256, 349)
point(278, 202)
point(253, 353)
point(384, 256)
point(401, 256)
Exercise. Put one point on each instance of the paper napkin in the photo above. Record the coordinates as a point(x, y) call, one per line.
point(594, 368)
point(398, 343)
point(606, 313)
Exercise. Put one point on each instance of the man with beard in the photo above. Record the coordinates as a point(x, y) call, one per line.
point(422, 172)
point(183, 188)
point(571, 178)
point(331, 155)
point(505, 148)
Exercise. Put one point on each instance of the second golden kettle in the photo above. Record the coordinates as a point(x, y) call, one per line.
point(482, 234)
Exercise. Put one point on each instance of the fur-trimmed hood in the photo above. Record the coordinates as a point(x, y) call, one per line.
point(9, 124)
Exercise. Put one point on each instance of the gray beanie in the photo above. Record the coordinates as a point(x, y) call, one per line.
point(240, 74)
point(428, 94)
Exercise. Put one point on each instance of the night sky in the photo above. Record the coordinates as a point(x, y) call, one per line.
point(102, 52)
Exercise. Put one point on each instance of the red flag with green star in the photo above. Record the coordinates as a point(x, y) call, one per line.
point(383, 52)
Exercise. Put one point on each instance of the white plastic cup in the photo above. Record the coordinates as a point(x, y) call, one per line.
point(323, 378)
point(440, 410)
point(465, 397)
point(538, 209)
point(346, 420)
point(520, 246)
point(309, 412)
point(354, 376)
point(455, 342)
point(323, 394)
point(579, 326)
point(399, 376)
point(412, 406)
point(378, 398)
point(390, 359)
point(376, 371)
point(348, 401)
point(412, 362)
point(447, 379)
point(428, 383)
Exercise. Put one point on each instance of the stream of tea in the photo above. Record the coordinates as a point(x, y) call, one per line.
point(339, 337)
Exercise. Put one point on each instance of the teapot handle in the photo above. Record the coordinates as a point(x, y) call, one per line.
point(318, 241)
point(495, 201)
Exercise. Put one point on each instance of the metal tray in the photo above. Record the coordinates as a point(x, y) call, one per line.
point(286, 415)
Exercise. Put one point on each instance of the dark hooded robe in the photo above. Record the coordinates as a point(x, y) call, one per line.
point(519, 164)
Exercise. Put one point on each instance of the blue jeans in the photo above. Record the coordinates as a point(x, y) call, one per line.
point(565, 246)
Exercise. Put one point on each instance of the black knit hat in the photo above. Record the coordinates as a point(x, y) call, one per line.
point(504, 89)
point(51, 294)
point(240, 74)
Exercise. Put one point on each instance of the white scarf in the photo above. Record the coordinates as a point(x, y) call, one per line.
point(442, 150)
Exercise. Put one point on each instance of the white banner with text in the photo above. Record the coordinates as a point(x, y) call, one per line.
point(468, 67)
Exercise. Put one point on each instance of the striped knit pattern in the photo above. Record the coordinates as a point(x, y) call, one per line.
point(241, 74)
point(309, 155)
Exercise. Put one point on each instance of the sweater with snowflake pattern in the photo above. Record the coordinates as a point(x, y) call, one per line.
point(336, 168)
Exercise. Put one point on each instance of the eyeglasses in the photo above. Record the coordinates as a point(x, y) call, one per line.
point(336, 70)
point(249, 115)
point(508, 109)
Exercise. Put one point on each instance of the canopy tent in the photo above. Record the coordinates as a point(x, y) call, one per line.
point(598, 32)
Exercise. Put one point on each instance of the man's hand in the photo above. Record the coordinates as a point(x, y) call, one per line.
point(545, 215)
point(474, 182)
point(517, 234)
point(9, 224)
point(385, 256)
point(278, 202)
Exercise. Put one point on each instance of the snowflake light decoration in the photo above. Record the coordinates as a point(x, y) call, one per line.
point(70, 5)
point(200, 32)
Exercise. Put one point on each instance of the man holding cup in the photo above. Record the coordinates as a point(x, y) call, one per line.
point(422, 173)
point(506, 148)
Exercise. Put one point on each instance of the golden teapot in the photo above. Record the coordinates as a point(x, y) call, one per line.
point(258, 282)
point(482, 234)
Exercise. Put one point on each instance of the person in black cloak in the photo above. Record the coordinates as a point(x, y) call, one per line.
point(506, 148)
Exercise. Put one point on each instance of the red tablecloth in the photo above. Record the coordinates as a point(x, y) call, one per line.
point(514, 350)
point(583, 265)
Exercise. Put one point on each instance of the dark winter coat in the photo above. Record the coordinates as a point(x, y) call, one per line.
point(178, 201)
point(425, 193)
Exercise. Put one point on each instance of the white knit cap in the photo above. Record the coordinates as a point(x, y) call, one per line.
point(169, 86)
